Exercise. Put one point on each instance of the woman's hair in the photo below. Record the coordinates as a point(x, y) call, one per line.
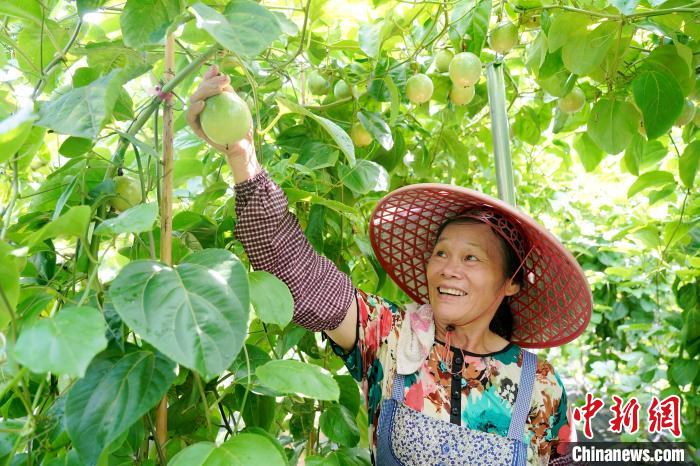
point(502, 322)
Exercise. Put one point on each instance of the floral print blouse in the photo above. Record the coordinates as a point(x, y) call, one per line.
point(488, 385)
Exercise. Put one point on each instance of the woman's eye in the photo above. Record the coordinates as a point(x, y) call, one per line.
point(439, 253)
point(471, 255)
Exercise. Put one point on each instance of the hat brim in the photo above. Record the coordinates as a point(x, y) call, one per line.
point(554, 304)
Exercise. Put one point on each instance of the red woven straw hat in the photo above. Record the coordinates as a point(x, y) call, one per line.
point(554, 303)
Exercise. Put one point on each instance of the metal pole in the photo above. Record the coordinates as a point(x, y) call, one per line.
point(499, 129)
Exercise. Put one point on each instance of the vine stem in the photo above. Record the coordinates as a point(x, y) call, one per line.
point(56, 60)
point(13, 198)
point(166, 208)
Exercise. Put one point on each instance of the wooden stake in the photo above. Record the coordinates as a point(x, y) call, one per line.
point(166, 207)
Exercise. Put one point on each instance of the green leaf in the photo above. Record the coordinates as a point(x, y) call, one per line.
point(74, 147)
point(14, 130)
point(316, 155)
point(336, 132)
point(63, 344)
point(243, 367)
point(377, 127)
point(296, 195)
point(9, 282)
point(28, 10)
point(395, 99)
point(536, 52)
point(364, 177)
point(137, 219)
point(688, 163)
point(650, 179)
point(612, 124)
point(195, 313)
point(658, 95)
point(271, 298)
point(667, 58)
point(242, 450)
point(145, 22)
point(585, 50)
point(73, 223)
point(115, 393)
point(82, 112)
point(88, 6)
point(370, 38)
point(296, 377)
point(625, 7)
point(588, 152)
point(564, 27)
point(683, 371)
point(349, 392)
point(339, 425)
point(246, 27)
point(478, 25)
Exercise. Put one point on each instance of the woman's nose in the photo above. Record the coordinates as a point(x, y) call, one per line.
point(450, 269)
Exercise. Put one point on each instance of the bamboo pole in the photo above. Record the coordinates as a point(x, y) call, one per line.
point(166, 206)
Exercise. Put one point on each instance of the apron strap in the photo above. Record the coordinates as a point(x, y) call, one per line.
point(521, 409)
point(397, 388)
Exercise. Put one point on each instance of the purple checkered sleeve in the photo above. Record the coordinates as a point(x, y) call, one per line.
point(274, 242)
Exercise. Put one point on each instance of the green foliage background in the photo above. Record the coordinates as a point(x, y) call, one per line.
point(96, 330)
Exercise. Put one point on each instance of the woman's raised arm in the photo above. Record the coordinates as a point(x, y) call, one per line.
point(272, 238)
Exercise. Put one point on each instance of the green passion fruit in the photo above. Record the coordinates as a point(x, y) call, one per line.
point(461, 95)
point(442, 60)
point(503, 37)
point(318, 85)
point(226, 118)
point(419, 88)
point(465, 69)
point(341, 90)
point(127, 193)
point(360, 136)
point(573, 101)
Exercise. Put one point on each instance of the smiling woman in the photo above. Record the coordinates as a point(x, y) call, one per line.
point(446, 378)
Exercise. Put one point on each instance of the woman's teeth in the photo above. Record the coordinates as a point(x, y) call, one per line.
point(451, 291)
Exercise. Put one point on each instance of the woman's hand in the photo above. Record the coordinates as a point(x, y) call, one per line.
point(213, 84)
point(239, 156)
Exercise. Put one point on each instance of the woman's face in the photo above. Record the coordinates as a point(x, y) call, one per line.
point(467, 260)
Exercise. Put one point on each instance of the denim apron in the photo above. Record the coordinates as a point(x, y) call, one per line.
point(407, 437)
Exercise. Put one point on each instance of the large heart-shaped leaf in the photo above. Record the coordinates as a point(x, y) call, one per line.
point(246, 27)
point(338, 423)
point(296, 377)
point(63, 344)
point(243, 449)
point(658, 95)
point(145, 22)
point(83, 111)
point(115, 393)
point(195, 313)
point(585, 50)
point(612, 124)
point(272, 300)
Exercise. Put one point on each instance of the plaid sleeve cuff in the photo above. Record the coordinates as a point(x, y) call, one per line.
point(244, 189)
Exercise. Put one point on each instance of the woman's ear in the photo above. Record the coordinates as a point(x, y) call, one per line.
point(512, 288)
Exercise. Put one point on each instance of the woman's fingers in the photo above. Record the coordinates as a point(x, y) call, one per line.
point(193, 112)
point(210, 87)
point(211, 72)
